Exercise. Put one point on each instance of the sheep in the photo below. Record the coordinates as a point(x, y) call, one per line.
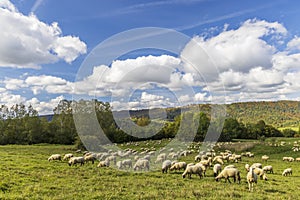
point(218, 160)
point(90, 158)
point(178, 166)
point(217, 169)
point(268, 168)
point(68, 156)
point(192, 169)
point(165, 166)
point(256, 165)
point(75, 160)
point(126, 163)
point(141, 164)
point(297, 159)
point(289, 159)
point(54, 157)
point(229, 172)
point(203, 168)
point(247, 167)
point(251, 178)
point(287, 171)
point(103, 163)
point(265, 158)
point(111, 158)
point(260, 172)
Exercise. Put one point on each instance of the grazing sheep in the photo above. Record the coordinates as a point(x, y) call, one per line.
point(260, 172)
point(265, 158)
point(297, 159)
point(75, 160)
point(141, 164)
point(111, 158)
point(90, 158)
point(268, 168)
point(229, 172)
point(54, 157)
point(127, 163)
point(251, 178)
point(287, 171)
point(178, 166)
point(103, 163)
point(217, 169)
point(289, 159)
point(68, 156)
point(192, 169)
point(256, 165)
point(165, 166)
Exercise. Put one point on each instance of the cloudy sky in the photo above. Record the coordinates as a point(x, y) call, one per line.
point(214, 52)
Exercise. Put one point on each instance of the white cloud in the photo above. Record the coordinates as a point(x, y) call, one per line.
point(51, 84)
point(27, 42)
point(294, 43)
point(239, 50)
point(13, 83)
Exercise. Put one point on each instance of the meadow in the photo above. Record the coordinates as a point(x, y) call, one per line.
point(27, 174)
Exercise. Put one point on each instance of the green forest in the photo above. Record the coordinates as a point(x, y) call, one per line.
point(252, 120)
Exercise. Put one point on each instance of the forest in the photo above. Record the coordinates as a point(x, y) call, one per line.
point(23, 125)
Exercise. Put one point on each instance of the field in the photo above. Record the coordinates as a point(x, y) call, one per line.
point(26, 174)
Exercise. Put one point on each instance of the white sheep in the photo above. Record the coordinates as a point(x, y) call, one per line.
point(247, 167)
point(217, 169)
point(265, 158)
point(287, 171)
point(192, 169)
point(165, 166)
point(141, 164)
point(68, 156)
point(260, 172)
point(54, 157)
point(256, 165)
point(126, 163)
point(111, 159)
point(75, 160)
point(251, 178)
point(90, 158)
point(178, 166)
point(297, 159)
point(229, 172)
point(268, 168)
point(103, 163)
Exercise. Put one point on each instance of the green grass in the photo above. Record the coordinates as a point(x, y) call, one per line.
point(26, 174)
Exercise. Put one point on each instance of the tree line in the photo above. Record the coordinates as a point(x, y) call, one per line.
point(22, 125)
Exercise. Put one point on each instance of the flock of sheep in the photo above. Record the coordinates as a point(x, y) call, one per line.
point(130, 159)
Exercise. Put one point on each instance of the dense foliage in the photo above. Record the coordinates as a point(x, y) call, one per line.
point(22, 125)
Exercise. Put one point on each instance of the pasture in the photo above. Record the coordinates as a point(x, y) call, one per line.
point(26, 174)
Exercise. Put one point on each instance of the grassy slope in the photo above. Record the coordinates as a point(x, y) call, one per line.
point(26, 174)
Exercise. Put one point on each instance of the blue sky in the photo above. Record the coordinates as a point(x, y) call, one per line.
point(237, 51)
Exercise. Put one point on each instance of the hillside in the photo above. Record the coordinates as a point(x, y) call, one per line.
point(280, 114)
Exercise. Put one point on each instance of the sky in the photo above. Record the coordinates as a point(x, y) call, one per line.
point(145, 54)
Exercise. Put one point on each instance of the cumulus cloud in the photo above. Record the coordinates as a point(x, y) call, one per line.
point(51, 84)
point(239, 50)
point(27, 42)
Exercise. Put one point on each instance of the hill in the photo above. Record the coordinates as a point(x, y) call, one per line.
point(280, 114)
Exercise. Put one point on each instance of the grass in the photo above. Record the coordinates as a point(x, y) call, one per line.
point(26, 174)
